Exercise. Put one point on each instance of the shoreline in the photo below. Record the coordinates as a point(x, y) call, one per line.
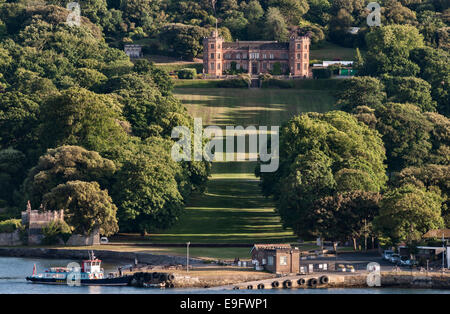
point(202, 276)
point(106, 255)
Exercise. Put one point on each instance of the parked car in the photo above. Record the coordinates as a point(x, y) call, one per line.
point(104, 240)
point(395, 258)
point(404, 261)
point(387, 254)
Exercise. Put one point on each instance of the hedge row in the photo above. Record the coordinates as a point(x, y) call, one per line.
point(10, 225)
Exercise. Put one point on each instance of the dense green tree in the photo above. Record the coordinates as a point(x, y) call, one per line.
point(406, 135)
point(86, 207)
point(184, 40)
point(321, 154)
point(292, 10)
point(275, 27)
point(147, 192)
point(80, 117)
point(360, 91)
point(12, 173)
point(63, 164)
point(18, 121)
point(346, 216)
point(319, 11)
point(389, 49)
point(407, 213)
point(411, 90)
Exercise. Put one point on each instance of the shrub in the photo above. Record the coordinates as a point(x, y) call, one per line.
point(240, 82)
point(55, 231)
point(276, 83)
point(276, 69)
point(187, 73)
point(10, 225)
point(322, 73)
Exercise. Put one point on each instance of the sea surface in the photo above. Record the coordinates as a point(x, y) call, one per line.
point(14, 270)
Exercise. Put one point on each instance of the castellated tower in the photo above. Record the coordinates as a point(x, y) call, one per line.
point(212, 54)
point(299, 55)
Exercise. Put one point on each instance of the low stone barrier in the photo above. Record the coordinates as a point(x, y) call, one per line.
point(146, 258)
point(10, 239)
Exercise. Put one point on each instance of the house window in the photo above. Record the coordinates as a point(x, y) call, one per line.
point(306, 47)
point(218, 66)
point(244, 56)
point(271, 56)
point(244, 66)
point(298, 46)
point(265, 66)
point(283, 260)
point(306, 56)
point(284, 56)
point(218, 56)
point(264, 55)
point(305, 66)
point(298, 56)
point(212, 46)
point(212, 56)
point(238, 56)
point(254, 55)
point(238, 66)
point(270, 260)
point(227, 66)
point(212, 66)
point(298, 66)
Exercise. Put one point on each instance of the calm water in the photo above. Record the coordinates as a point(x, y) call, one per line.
point(14, 270)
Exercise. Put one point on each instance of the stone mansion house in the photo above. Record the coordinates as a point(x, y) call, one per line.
point(255, 57)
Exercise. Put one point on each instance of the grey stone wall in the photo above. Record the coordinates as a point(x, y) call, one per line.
point(10, 239)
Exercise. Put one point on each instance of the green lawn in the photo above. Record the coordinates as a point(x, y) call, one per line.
point(232, 210)
point(331, 51)
point(268, 107)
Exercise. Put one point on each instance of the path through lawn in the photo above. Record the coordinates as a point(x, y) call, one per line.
point(232, 209)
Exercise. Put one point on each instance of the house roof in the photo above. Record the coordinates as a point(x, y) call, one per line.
point(437, 233)
point(270, 246)
point(262, 45)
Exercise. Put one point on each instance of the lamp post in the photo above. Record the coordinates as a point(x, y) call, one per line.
point(187, 256)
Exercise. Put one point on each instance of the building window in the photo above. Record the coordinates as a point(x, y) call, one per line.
point(212, 56)
point(265, 66)
point(245, 67)
point(284, 56)
point(264, 55)
point(212, 46)
point(227, 56)
point(238, 56)
point(218, 66)
point(218, 46)
point(283, 260)
point(271, 56)
point(227, 66)
point(270, 260)
point(218, 56)
point(306, 56)
point(305, 66)
point(298, 56)
point(244, 56)
point(306, 47)
point(238, 66)
point(298, 66)
point(212, 66)
point(254, 55)
point(298, 46)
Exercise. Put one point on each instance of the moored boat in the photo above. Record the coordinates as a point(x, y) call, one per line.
point(89, 274)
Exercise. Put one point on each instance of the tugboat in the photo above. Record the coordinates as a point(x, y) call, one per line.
point(89, 274)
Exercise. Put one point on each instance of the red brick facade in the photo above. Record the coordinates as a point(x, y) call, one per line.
point(256, 57)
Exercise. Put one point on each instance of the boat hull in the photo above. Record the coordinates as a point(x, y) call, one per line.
point(118, 281)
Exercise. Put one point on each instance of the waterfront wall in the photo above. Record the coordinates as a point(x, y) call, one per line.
point(123, 257)
point(10, 239)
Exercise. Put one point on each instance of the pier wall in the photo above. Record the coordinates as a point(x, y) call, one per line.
point(128, 257)
point(10, 239)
